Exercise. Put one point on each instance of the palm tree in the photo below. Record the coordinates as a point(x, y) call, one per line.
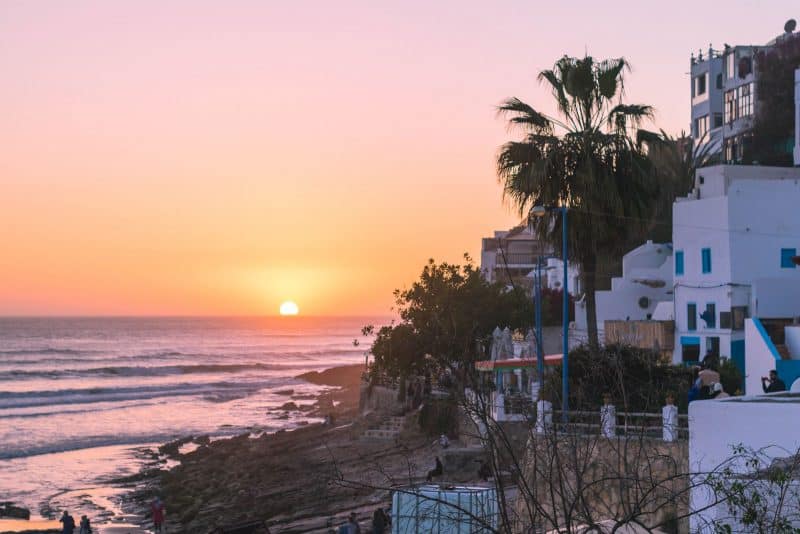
point(588, 159)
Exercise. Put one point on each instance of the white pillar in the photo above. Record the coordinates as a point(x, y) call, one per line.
point(669, 421)
point(797, 117)
point(499, 407)
point(544, 416)
point(608, 420)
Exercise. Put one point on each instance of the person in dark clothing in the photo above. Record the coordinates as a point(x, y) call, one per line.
point(775, 383)
point(436, 471)
point(379, 521)
point(68, 522)
point(484, 471)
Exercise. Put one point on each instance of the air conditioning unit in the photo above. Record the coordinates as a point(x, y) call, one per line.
point(644, 302)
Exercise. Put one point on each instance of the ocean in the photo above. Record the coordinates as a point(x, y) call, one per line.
point(80, 396)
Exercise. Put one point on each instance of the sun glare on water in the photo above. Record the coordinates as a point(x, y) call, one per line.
point(289, 308)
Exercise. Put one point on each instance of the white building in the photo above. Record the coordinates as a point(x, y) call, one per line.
point(646, 281)
point(512, 256)
point(734, 239)
point(760, 424)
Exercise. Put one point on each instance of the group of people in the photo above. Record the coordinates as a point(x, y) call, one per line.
point(68, 524)
point(85, 527)
point(706, 383)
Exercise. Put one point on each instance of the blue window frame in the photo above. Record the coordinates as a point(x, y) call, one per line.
point(710, 315)
point(691, 316)
point(706, 257)
point(678, 262)
point(786, 258)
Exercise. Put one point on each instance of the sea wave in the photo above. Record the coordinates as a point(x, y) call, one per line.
point(70, 357)
point(146, 371)
point(28, 399)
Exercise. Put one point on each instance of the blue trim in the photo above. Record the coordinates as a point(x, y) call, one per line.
point(678, 263)
point(706, 259)
point(737, 354)
point(690, 340)
point(786, 258)
point(766, 338)
point(690, 320)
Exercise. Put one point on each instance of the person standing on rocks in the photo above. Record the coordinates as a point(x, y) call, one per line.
point(158, 511)
point(68, 522)
point(86, 527)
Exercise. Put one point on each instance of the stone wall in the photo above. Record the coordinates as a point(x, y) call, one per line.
point(592, 478)
point(379, 398)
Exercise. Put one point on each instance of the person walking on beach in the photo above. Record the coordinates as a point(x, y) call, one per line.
point(68, 522)
point(157, 508)
point(86, 527)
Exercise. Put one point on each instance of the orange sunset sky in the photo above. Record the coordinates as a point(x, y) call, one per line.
point(194, 157)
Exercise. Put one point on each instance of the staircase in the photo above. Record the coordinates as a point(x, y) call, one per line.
point(387, 429)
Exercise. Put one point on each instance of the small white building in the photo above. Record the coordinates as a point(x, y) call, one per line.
point(734, 240)
point(646, 281)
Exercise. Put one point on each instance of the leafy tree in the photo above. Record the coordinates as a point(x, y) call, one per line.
point(587, 158)
point(453, 311)
point(398, 353)
point(773, 128)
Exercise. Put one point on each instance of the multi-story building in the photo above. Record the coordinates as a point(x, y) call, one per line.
point(725, 99)
point(511, 256)
point(736, 239)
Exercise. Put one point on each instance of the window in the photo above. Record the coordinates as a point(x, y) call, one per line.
point(744, 97)
point(719, 81)
point(678, 262)
point(690, 352)
point(712, 345)
point(730, 65)
point(700, 126)
point(730, 106)
point(718, 120)
point(710, 315)
point(725, 320)
point(691, 316)
point(786, 258)
point(706, 257)
point(739, 314)
point(700, 84)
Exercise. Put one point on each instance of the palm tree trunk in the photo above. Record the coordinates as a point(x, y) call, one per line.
point(589, 285)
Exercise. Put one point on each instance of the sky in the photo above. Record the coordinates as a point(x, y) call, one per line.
point(217, 158)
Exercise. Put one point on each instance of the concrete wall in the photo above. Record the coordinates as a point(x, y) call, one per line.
point(756, 422)
point(379, 398)
point(630, 469)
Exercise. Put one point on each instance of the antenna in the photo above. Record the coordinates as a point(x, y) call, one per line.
point(790, 26)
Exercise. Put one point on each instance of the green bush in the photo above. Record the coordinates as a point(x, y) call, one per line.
point(634, 377)
point(439, 416)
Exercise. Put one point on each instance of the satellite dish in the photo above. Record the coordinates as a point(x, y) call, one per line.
point(790, 26)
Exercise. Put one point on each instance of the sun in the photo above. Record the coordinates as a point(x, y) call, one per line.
point(289, 308)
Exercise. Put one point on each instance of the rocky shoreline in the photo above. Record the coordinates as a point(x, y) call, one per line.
point(297, 480)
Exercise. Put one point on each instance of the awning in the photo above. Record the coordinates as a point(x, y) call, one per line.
point(516, 363)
